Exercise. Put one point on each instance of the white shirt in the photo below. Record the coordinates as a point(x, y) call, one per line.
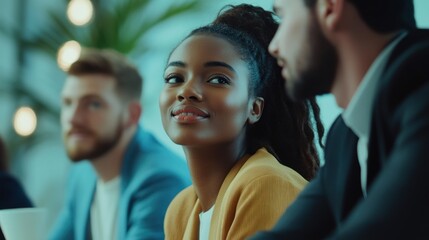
point(104, 210)
point(357, 115)
point(205, 220)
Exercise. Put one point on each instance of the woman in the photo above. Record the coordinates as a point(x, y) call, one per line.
point(249, 147)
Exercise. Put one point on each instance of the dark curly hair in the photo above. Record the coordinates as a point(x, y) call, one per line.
point(285, 128)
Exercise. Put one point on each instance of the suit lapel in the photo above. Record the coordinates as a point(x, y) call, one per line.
point(127, 175)
point(342, 168)
point(83, 208)
point(352, 189)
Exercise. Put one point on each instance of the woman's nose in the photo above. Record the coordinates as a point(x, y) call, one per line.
point(190, 91)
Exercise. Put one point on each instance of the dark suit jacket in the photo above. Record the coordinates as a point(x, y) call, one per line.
point(11, 194)
point(397, 203)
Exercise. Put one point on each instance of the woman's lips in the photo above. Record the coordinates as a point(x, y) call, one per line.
point(188, 114)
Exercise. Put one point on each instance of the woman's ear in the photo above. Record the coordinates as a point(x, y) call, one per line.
point(256, 109)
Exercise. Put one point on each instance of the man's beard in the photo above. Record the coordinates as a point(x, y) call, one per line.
point(100, 146)
point(318, 75)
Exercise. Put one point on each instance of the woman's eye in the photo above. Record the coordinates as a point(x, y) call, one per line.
point(173, 79)
point(219, 80)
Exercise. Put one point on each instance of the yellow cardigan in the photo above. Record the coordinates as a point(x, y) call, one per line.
point(252, 197)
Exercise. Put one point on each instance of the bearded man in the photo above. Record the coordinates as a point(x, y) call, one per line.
point(123, 179)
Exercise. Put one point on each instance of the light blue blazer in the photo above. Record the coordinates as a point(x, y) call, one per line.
point(151, 176)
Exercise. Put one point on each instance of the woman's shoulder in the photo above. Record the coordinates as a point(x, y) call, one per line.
point(186, 196)
point(263, 166)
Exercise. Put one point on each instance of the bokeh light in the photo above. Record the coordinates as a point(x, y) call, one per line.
point(25, 121)
point(80, 12)
point(68, 54)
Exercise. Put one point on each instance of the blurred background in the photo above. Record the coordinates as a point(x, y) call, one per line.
point(40, 38)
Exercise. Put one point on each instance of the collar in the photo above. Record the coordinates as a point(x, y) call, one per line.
point(357, 115)
point(138, 144)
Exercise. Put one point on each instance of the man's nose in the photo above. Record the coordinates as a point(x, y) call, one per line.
point(273, 47)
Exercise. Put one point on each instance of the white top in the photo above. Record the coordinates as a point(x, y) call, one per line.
point(104, 210)
point(357, 116)
point(205, 220)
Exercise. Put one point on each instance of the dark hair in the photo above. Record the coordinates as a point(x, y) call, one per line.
point(285, 127)
point(109, 62)
point(3, 156)
point(383, 16)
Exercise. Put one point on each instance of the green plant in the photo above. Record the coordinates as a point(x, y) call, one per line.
point(119, 25)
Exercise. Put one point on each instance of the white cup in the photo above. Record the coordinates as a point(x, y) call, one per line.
point(24, 223)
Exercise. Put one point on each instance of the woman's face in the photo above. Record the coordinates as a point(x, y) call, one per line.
point(205, 99)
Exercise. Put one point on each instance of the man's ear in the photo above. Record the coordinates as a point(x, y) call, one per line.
point(134, 112)
point(330, 13)
point(256, 109)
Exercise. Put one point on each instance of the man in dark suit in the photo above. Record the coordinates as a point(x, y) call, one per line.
point(12, 194)
point(369, 54)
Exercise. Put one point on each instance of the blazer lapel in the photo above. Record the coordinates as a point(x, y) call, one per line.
point(83, 208)
point(216, 221)
point(342, 168)
point(352, 188)
point(192, 230)
point(128, 169)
